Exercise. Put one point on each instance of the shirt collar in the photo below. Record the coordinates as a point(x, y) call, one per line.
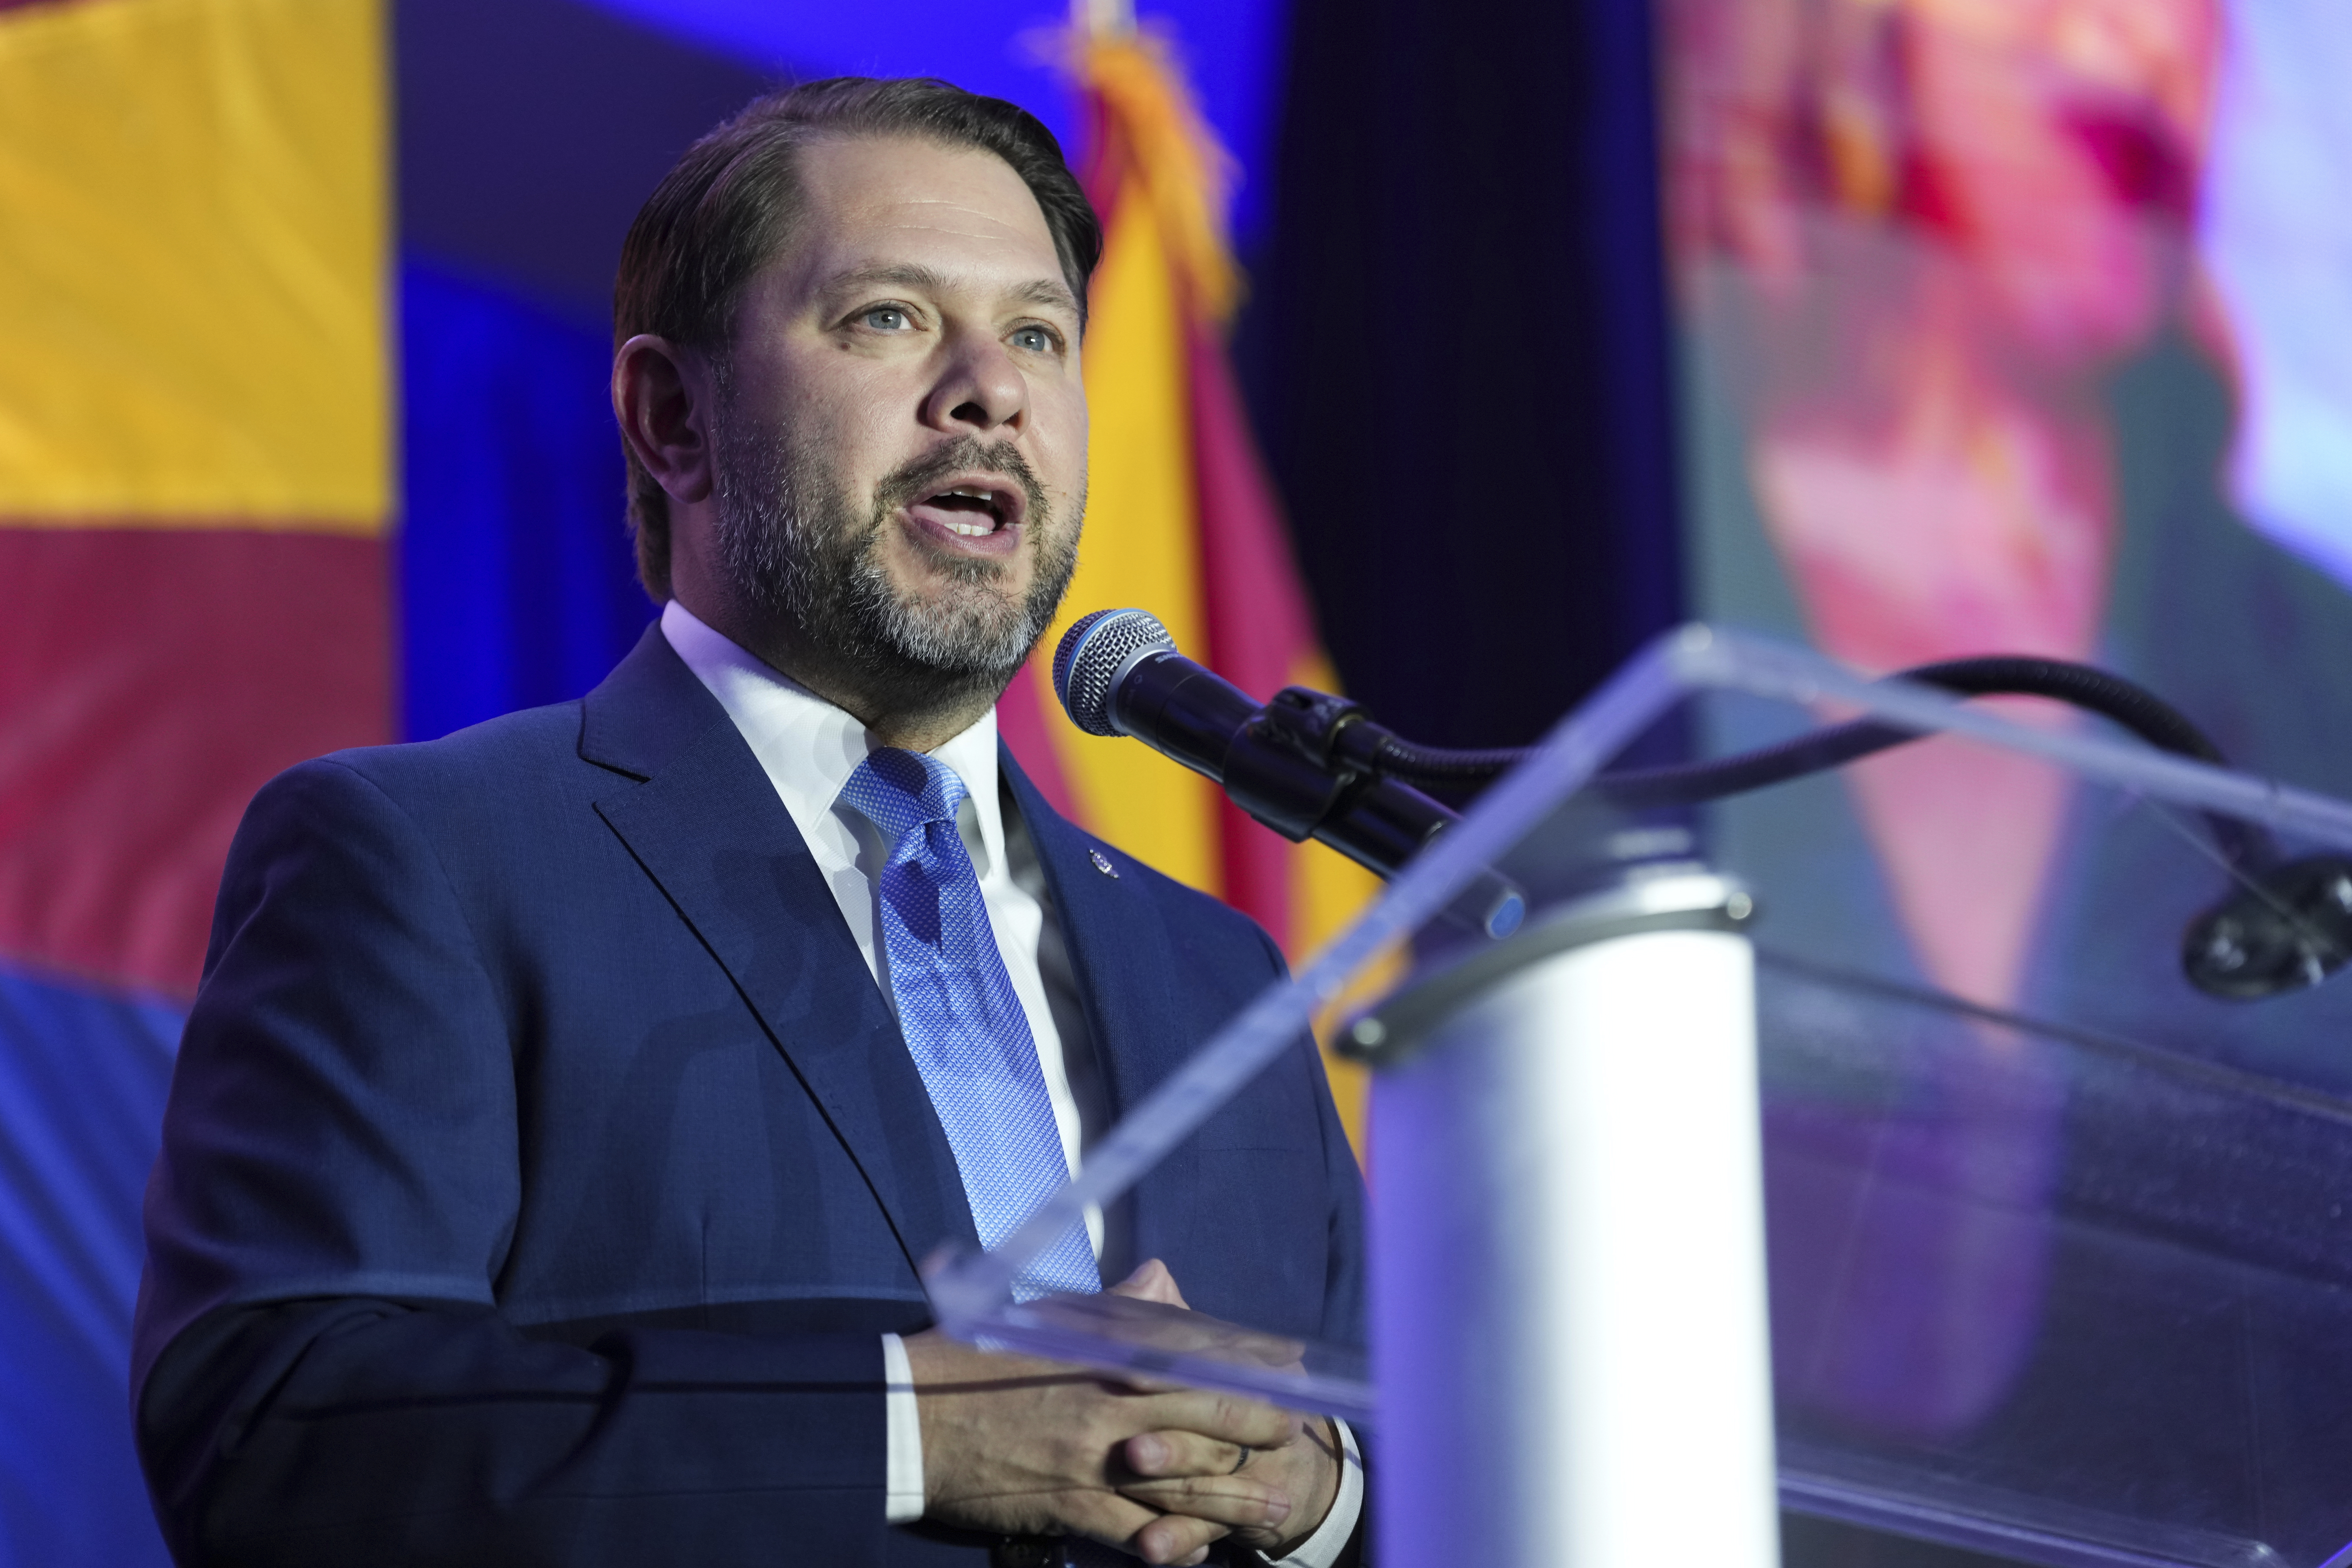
point(808, 747)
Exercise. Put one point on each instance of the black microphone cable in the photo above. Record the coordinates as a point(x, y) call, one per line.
point(2083, 686)
point(2286, 927)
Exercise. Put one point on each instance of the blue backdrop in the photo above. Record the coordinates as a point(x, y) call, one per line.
point(515, 582)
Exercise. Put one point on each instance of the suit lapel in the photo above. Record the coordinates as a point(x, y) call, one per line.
point(1119, 947)
point(706, 827)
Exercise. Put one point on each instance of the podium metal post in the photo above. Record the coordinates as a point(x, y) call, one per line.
point(1568, 1263)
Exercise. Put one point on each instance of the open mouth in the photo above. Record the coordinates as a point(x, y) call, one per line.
point(972, 508)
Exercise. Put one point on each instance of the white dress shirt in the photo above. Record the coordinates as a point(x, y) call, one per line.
point(809, 748)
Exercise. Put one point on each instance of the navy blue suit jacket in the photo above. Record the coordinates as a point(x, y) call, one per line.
point(542, 1163)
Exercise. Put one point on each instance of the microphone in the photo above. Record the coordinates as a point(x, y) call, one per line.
point(1117, 673)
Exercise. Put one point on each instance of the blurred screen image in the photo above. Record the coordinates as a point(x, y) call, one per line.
point(2006, 329)
point(2009, 326)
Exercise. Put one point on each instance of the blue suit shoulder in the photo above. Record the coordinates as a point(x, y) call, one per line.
point(486, 814)
point(492, 759)
point(485, 776)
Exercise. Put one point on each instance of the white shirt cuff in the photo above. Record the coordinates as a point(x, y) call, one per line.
point(903, 1439)
point(1322, 1549)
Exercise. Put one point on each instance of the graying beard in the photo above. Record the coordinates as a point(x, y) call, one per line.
point(788, 543)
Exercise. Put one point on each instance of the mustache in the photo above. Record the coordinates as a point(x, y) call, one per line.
point(912, 480)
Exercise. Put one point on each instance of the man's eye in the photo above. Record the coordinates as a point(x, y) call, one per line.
point(887, 318)
point(1036, 340)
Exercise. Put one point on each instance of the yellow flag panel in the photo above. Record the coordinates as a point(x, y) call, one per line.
point(1141, 545)
point(193, 241)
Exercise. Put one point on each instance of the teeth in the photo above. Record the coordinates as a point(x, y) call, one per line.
point(979, 528)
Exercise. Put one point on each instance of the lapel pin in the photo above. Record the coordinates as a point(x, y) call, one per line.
point(1102, 863)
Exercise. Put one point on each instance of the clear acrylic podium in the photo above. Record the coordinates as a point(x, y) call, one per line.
point(1858, 1143)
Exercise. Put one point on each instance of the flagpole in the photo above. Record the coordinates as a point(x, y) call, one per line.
point(1103, 18)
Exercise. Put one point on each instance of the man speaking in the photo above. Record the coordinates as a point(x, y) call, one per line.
point(569, 1102)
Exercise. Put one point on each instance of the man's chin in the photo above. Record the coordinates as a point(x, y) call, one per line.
point(963, 640)
point(968, 622)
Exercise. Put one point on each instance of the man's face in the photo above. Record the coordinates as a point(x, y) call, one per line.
point(901, 432)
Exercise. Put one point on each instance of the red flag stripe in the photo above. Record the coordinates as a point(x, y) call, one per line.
point(150, 681)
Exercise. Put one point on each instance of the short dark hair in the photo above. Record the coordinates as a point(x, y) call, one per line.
point(729, 206)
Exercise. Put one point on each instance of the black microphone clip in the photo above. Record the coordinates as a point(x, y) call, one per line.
point(1283, 767)
point(2286, 927)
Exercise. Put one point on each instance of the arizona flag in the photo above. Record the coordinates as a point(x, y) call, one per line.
point(1180, 520)
point(196, 493)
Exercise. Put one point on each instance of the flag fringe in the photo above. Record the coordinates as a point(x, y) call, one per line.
point(1170, 151)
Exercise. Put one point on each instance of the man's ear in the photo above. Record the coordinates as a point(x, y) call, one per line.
point(661, 396)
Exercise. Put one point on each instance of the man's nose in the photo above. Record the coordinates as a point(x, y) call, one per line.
point(979, 388)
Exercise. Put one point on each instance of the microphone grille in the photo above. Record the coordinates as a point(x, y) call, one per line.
point(1093, 652)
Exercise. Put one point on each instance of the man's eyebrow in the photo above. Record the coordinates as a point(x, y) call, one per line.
point(1050, 292)
point(903, 274)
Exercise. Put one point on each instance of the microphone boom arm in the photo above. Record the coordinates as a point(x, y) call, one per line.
point(1312, 766)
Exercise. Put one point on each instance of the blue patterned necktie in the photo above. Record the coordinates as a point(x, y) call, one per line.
point(962, 1020)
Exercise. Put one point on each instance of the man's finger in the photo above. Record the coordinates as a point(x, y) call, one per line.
point(1233, 1500)
point(1175, 1538)
point(1151, 1282)
point(1117, 1520)
point(1157, 1454)
point(1226, 1417)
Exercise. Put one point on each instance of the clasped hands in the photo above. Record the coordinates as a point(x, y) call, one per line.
point(1025, 1447)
